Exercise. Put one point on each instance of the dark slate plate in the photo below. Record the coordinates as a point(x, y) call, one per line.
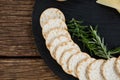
point(107, 19)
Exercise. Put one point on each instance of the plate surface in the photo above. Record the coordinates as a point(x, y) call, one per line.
point(107, 19)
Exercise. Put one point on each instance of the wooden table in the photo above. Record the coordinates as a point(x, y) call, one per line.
point(19, 58)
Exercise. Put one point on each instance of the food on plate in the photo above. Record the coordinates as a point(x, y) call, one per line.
point(51, 13)
point(56, 42)
point(90, 38)
point(117, 66)
point(53, 23)
point(74, 60)
point(110, 3)
point(69, 55)
point(66, 56)
point(94, 70)
point(55, 33)
point(62, 48)
point(108, 70)
point(81, 69)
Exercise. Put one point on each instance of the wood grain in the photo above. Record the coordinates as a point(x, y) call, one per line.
point(19, 57)
point(16, 37)
point(25, 69)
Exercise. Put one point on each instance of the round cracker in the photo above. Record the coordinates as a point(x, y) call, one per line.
point(51, 13)
point(56, 42)
point(108, 70)
point(94, 70)
point(62, 48)
point(117, 65)
point(65, 57)
point(82, 68)
point(74, 60)
point(53, 23)
point(55, 33)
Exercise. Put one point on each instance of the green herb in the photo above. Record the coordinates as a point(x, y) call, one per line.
point(115, 51)
point(90, 38)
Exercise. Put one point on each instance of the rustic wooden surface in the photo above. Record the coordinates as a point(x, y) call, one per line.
point(19, 58)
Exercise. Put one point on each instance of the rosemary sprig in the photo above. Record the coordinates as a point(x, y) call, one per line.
point(90, 38)
point(114, 51)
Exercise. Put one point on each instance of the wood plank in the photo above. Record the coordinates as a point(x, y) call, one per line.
point(16, 37)
point(25, 69)
point(16, 40)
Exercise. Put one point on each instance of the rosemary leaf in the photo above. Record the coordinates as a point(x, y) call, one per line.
point(90, 38)
point(115, 51)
